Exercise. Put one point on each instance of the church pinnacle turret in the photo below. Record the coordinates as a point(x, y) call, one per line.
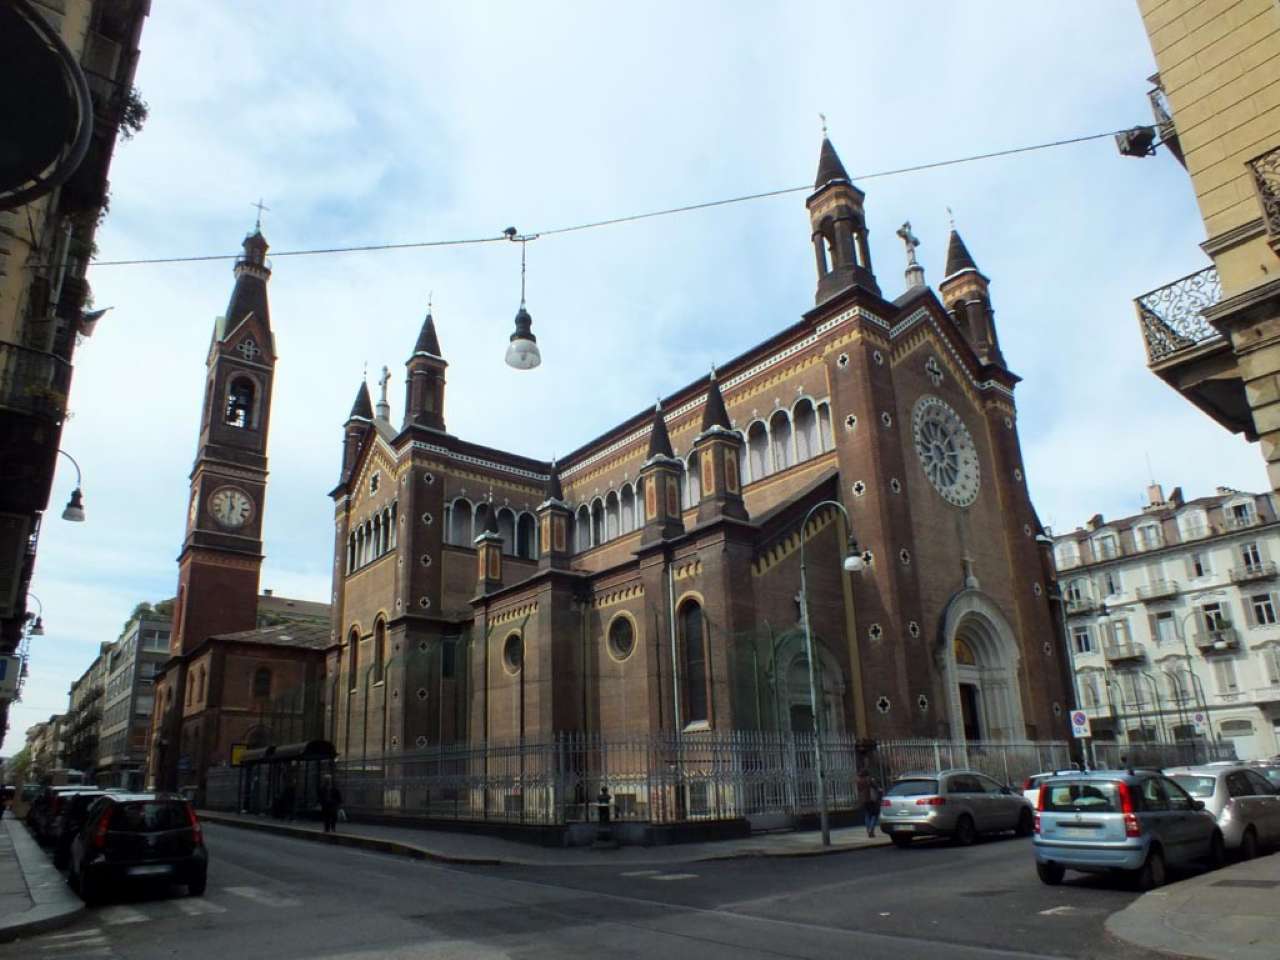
point(839, 228)
point(966, 294)
point(424, 380)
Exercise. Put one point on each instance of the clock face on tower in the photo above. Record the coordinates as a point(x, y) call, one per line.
point(946, 451)
point(231, 507)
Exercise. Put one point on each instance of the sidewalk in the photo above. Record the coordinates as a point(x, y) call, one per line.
point(33, 896)
point(1228, 914)
point(478, 849)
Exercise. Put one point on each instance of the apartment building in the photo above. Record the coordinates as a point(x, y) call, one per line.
point(128, 701)
point(1173, 620)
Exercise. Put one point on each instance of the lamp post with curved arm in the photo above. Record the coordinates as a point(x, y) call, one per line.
point(74, 511)
point(853, 563)
point(1155, 692)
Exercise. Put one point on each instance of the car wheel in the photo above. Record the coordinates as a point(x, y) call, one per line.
point(1217, 852)
point(1025, 824)
point(965, 833)
point(900, 839)
point(1152, 873)
point(196, 887)
point(1249, 844)
point(1051, 873)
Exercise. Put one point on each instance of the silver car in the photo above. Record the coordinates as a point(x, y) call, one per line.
point(960, 804)
point(1241, 798)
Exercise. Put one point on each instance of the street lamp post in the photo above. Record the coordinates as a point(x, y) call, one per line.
point(852, 564)
point(1060, 595)
point(74, 510)
point(1197, 687)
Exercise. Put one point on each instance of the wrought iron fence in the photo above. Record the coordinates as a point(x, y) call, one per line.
point(1266, 178)
point(1117, 756)
point(33, 382)
point(1172, 317)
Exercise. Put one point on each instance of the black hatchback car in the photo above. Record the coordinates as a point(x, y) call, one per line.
point(138, 836)
point(72, 810)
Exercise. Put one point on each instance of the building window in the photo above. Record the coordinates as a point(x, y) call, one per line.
point(1249, 556)
point(448, 658)
point(1166, 629)
point(1264, 614)
point(374, 480)
point(1106, 547)
point(379, 649)
point(1240, 515)
point(239, 412)
point(1212, 617)
point(1112, 580)
point(1224, 674)
point(513, 653)
point(622, 637)
point(694, 648)
point(353, 658)
point(1200, 565)
point(1068, 553)
point(1120, 632)
point(1075, 591)
point(262, 683)
point(1148, 536)
point(1271, 658)
point(1082, 640)
point(1089, 691)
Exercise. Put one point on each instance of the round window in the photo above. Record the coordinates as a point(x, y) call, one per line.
point(513, 653)
point(622, 638)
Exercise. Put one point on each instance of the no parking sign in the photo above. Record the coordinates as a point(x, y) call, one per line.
point(1080, 724)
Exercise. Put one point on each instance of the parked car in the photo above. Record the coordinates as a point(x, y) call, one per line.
point(138, 836)
point(1137, 821)
point(1031, 786)
point(44, 810)
point(960, 804)
point(69, 820)
point(1246, 805)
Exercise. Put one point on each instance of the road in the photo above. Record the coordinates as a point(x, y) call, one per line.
point(284, 898)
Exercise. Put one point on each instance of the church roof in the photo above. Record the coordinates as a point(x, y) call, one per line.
point(829, 165)
point(958, 257)
point(271, 607)
point(659, 440)
point(363, 407)
point(301, 635)
point(714, 414)
point(428, 342)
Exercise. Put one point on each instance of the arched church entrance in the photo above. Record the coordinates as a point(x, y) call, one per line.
point(981, 660)
point(791, 686)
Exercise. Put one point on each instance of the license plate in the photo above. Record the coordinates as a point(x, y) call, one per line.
point(1084, 832)
point(904, 828)
point(152, 870)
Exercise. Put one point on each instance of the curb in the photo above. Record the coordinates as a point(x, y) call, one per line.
point(422, 853)
point(53, 904)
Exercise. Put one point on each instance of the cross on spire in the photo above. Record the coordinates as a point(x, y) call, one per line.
point(261, 206)
point(823, 117)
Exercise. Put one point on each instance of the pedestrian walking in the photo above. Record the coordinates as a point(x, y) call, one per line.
point(869, 795)
point(330, 803)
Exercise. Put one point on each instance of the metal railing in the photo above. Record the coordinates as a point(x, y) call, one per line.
point(1158, 589)
point(1123, 651)
point(33, 382)
point(1117, 756)
point(1171, 317)
point(1226, 639)
point(1081, 605)
point(1265, 570)
point(1266, 180)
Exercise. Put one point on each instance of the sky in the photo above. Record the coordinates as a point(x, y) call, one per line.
point(376, 122)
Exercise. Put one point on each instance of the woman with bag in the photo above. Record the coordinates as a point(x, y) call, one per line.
point(869, 795)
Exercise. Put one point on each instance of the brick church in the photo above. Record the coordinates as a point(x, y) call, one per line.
point(648, 581)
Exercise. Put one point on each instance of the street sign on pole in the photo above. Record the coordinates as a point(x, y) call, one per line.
point(1080, 725)
point(1198, 718)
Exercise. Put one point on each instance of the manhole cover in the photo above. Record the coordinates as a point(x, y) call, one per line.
point(1252, 884)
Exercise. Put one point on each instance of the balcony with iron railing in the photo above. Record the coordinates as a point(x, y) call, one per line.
point(33, 382)
point(1171, 316)
point(1266, 570)
point(1077, 606)
point(1266, 180)
point(1158, 590)
point(1223, 640)
point(1115, 652)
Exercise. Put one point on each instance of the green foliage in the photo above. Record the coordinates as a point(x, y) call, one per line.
point(160, 611)
point(20, 765)
point(133, 113)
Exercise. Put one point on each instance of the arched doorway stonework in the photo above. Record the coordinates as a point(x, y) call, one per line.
point(791, 686)
point(979, 654)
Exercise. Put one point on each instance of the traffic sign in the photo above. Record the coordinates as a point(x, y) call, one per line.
point(1080, 725)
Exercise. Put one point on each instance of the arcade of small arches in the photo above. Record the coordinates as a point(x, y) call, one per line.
point(464, 521)
point(374, 538)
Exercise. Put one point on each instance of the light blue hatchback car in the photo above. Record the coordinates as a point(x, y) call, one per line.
point(1136, 821)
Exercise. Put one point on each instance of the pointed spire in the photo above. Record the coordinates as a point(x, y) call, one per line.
point(428, 342)
point(714, 414)
point(554, 490)
point(363, 407)
point(491, 520)
point(659, 441)
point(249, 295)
point(829, 166)
point(958, 257)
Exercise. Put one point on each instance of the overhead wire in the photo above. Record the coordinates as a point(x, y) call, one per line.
point(613, 221)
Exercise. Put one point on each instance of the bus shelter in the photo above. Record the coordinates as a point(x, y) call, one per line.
point(284, 781)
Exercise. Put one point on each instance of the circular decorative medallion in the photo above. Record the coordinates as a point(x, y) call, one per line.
point(883, 704)
point(946, 451)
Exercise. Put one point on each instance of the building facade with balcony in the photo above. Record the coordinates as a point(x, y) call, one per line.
point(1173, 617)
point(45, 248)
point(83, 726)
point(128, 701)
point(1214, 336)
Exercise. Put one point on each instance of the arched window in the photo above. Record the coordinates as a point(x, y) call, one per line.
point(597, 523)
point(379, 649)
point(611, 530)
point(825, 439)
point(353, 657)
point(526, 535)
point(806, 430)
point(262, 683)
point(507, 530)
point(460, 523)
point(694, 648)
point(780, 433)
point(204, 685)
point(359, 547)
point(351, 552)
point(239, 412)
point(191, 686)
point(758, 450)
point(481, 519)
point(692, 485)
point(391, 523)
point(628, 509)
point(584, 528)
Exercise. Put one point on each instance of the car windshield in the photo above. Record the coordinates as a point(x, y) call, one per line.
point(1196, 786)
point(1084, 796)
point(913, 788)
point(1272, 774)
point(148, 816)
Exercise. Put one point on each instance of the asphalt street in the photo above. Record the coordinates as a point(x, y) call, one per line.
point(285, 898)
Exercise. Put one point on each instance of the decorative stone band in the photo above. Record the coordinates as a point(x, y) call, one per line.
point(515, 613)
